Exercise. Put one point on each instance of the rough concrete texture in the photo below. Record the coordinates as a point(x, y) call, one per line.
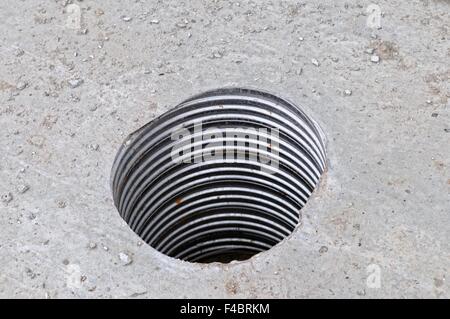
point(68, 98)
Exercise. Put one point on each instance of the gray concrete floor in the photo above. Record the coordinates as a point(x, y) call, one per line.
point(379, 226)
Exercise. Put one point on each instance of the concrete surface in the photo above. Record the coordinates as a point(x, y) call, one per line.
point(377, 227)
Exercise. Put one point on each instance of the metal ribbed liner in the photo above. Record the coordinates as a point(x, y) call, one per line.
point(220, 177)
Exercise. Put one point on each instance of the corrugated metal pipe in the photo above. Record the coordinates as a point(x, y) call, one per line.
point(220, 177)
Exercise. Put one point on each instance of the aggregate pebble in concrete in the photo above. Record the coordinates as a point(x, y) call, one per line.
point(6, 197)
point(74, 83)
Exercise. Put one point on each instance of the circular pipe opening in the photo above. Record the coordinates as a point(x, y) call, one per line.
point(221, 177)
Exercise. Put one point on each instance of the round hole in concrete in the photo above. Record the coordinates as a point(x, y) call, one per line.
point(221, 177)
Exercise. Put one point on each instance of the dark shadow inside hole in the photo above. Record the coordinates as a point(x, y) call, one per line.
point(227, 256)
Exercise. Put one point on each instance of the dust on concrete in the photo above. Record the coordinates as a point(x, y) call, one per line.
point(69, 97)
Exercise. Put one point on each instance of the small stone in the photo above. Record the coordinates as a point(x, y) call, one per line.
point(361, 292)
point(315, 62)
point(83, 278)
point(105, 248)
point(429, 102)
point(21, 85)
point(94, 147)
point(19, 52)
point(21, 189)
point(74, 83)
point(154, 21)
point(30, 273)
point(375, 59)
point(99, 12)
point(127, 18)
point(125, 258)
point(181, 25)
point(370, 51)
point(6, 198)
point(434, 114)
point(323, 249)
point(61, 204)
point(92, 245)
point(348, 92)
